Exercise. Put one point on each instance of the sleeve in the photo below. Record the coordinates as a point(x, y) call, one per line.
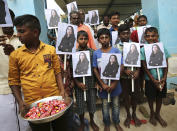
point(142, 54)
point(167, 55)
point(134, 36)
point(14, 72)
point(94, 64)
point(55, 62)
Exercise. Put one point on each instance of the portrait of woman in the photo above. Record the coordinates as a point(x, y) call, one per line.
point(142, 40)
point(111, 68)
point(82, 65)
point(67, 42)
point(73, 7)
point(54, 19)
point(132, 56)
point(2, 12)
point(156, 57)
point(94, 17)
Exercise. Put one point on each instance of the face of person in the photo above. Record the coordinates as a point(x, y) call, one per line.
point(151, 37)
point(82, 56)
point(53, 13)
point(82, 16)
point(125, 36)
point(8, 30)
point(142, 21)
point(115, 19)
point(106, 21)
point(132, 48)
point(82, 40)
point(75, 19)
point(104, 40)
point(112, 59)
point(26, 35)
point(69, 31)
point(154, 49)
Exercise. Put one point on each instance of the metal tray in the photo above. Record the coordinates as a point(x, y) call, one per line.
point(67, 100)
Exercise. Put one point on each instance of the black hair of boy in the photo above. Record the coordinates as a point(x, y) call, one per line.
point(103, 31)
point(83, 33)
point(142, 16)
point(28, 20)
point(123, 27)
point(151, 29)
point(114, 13)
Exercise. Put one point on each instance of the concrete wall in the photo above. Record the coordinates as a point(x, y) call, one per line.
point(34, 7)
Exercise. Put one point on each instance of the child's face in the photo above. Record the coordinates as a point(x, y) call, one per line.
point(104, 40)
point(142, 21)
point(151, 37)
point(125, 36)
point(82, 40)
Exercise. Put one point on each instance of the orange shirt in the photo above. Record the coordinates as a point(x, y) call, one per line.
point(91, 43)
point(35, 72)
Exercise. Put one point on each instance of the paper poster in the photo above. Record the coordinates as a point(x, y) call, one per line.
point(131, 54)
point(155, 56)
point(66, 40)
point(5, 18)
point(93, 17)
point(53, 18)
point(110, 66)
point(115, 38)
point(141, 31)
point(81, 64)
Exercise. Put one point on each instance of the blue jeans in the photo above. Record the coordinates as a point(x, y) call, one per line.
point(115, 110)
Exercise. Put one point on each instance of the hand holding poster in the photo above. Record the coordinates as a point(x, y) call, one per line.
point(5, 18)
point(66, 40)
point(131, 54)
point(93, 17)
point(110, 66)
point(81, 64)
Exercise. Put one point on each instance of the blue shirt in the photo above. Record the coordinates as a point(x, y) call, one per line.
point(96, 63)
point(154, 71)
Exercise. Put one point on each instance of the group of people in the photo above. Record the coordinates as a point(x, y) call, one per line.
point(36, 72)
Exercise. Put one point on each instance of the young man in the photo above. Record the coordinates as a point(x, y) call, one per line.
point(35, 68)
point(76, 20)
point(105, 23)
point(129, 97)
point(104, 38)
point(152, 85)
point(82, 39)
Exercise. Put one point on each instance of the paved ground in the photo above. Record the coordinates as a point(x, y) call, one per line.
point(168, 112)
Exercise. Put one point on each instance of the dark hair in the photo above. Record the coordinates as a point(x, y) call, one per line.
point(116, 61)
point(74, 12)
point(29, 21)
point(82, 33)
point(105, 16)
point(114, 13)
point(12, 14)
point(123, 27)
point(142, 16)
point(151, 29)
point(159, 50)
point(103, 31)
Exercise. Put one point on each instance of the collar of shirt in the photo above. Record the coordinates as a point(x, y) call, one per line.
point(41, 46)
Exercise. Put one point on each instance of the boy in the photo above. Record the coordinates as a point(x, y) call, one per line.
point(129, 97)
point(152, 85)
point(104, 38)
point(35, 68)
point(82, 39)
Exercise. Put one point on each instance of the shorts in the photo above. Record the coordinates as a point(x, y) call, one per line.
point(152, 92)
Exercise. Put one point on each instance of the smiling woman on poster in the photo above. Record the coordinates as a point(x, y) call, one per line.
point(132, 56)
point(156, 57)
point(67, 42)
point(54, 19)
point(82, 65)
point(112, 67)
